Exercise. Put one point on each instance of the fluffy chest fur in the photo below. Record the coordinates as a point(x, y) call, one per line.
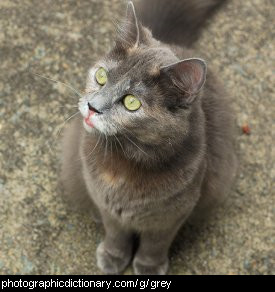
point(134, 194)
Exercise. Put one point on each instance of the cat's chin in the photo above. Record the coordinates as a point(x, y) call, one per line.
point(88, 128)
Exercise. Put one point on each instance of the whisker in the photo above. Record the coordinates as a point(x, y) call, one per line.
point(69, 86)
point(112, 156)
point(47, 143)
point(116, 146)
point(134, 142)
point(59, 129)
point(120, 145)
point(137, 146)
point(64, 123)
point(111, 153)
point(90, 154)
point(106, 147)
point(58, 132)
point(68, 106)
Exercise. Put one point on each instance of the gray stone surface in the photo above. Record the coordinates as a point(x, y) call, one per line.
point(60, 39)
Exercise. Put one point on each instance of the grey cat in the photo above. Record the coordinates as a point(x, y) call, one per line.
point(155, 143)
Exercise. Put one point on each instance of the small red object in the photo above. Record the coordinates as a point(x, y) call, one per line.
point(246, 129)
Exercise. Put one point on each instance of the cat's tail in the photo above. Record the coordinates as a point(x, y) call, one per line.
point(176, 21)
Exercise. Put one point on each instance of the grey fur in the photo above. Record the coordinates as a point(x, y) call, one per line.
point(144, 172)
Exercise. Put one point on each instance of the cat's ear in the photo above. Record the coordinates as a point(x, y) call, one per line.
point(129, 30)
point(188, 76)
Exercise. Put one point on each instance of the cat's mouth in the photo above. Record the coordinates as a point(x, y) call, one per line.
point(88, 119)
point(94, 120)
point(91, 112)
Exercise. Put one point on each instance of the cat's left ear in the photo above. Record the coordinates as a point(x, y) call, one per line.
point(129, 31)
point(188, 76)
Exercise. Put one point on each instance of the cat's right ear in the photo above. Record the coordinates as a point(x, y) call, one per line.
point(129, 31)
point(188, 76)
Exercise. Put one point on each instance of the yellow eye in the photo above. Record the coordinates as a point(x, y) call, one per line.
point(101, 76)
point(131, 103)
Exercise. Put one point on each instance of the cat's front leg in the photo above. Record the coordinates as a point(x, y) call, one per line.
point(152, 255)
point(115, 252)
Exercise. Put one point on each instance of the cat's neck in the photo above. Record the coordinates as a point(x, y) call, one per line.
point(120, 153)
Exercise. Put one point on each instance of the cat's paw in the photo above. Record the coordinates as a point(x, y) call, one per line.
point(144, 269)
point(111, 264)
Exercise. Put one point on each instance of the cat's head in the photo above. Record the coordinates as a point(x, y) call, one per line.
point(140, 92)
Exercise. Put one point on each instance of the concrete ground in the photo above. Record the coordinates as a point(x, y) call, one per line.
point(60, 39)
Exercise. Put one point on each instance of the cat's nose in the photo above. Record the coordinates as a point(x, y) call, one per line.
point(93, 109)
